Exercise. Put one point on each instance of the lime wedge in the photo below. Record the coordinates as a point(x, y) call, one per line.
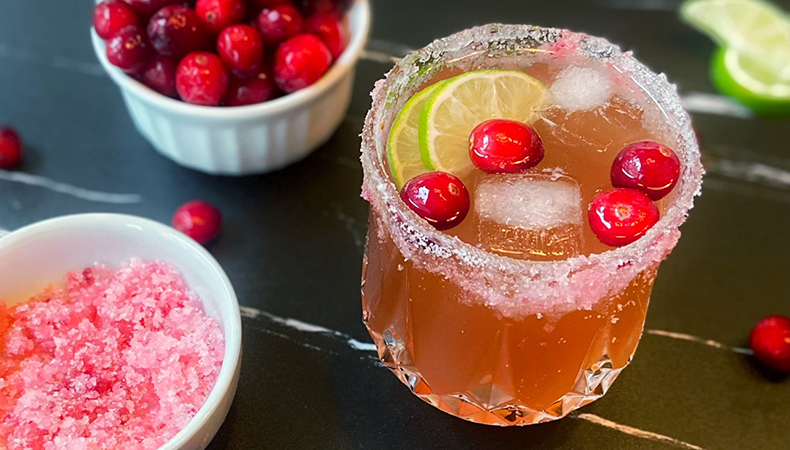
point(747, 80)
point(745, 25)
point(463, 102)
point(753, 65)
point(403, 151)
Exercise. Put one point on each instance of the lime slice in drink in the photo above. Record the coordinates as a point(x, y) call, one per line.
point(753, 65)
point(463, 102)
point(403, 151)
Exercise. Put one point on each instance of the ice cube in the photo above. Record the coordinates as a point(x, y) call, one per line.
point(605, 128)
point(530, 216)
point(580, 88)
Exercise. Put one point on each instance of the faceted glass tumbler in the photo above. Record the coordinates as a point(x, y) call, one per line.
point(484, 337)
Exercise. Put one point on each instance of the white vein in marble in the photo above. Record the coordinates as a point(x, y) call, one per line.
point(68, 189)
point(708, 342)
point(57, 61)
point(636, 432)
point(252, 313)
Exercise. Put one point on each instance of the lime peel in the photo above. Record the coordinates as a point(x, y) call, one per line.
point(402, 152)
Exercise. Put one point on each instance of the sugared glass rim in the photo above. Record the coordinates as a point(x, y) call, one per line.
point(595, 274)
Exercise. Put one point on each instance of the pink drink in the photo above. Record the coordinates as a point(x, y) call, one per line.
point(499, 325)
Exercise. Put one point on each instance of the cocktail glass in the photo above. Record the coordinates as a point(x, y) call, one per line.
point(484, 337)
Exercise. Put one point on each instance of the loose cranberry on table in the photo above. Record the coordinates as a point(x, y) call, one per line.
point(202, 79)
point(220, 14)
point(241, 48)
point(621, 216)
point(300, 62)
point(199, 220)
point(647, 166)
point(770, 341)
point(505, 146)
point(10, 148)
point(250, 91)
point(328, 28)
point(438, 197)
point(159, 74)
point(279, 23)
point(112, 16)
point(129, 50)
point(176, 31)
point(147, 8)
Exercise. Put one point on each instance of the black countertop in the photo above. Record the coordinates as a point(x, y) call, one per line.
point(292, 243)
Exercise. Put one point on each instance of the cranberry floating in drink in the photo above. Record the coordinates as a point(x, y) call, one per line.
point(647, 166)
point(499, 146)
point(530, 305)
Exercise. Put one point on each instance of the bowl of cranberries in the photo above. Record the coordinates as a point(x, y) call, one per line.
point(233, 87)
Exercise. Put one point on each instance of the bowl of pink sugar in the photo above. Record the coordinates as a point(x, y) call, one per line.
point(116, 332)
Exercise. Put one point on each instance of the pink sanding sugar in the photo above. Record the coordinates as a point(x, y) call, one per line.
point(112, 359)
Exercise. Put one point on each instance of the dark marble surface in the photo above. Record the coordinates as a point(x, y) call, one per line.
point(292, 243)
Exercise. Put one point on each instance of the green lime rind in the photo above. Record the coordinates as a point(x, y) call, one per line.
point(499, 94)
point(733, 82)
point(422, 133)
point(403, 155)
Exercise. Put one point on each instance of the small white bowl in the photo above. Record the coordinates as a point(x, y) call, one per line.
point(42, 253)
point(246, 139)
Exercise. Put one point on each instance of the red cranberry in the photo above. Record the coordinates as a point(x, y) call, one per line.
point(438, 197)
point(770, 340)
point(10, 148)
point(112, 16)
point(147, 8)
point(241, 48)
point(621, 216)
point(504, 146)
point(269, 3)
point(199, 220)
point(647, 166)
point(201, 79)
point(160, 75)
point(300, 62)
point(129, 50)
point(249, 91)
point(328, 28)
point(220, 14)
point(312, 7)
point(279, 23)
point(176, 31)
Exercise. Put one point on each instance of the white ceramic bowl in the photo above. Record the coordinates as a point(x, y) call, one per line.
point(246, 139)
point(42, 253)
